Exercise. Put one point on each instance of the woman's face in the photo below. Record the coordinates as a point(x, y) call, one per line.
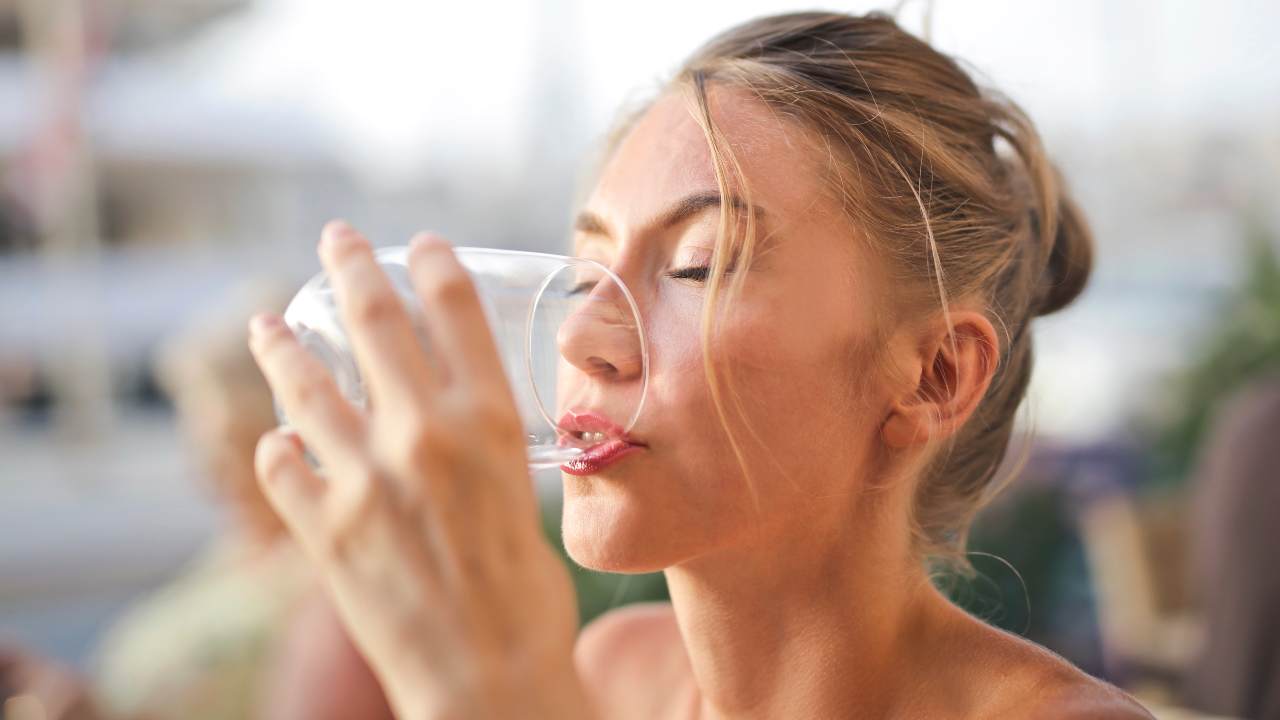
point(797, 343)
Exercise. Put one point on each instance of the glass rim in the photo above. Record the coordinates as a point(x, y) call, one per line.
point(569, 261)
point(401, 252)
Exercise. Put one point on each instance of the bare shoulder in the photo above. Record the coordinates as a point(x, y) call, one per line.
point(640, 636)
point(1070, 694)
point(1045, 685)
point(633, 662)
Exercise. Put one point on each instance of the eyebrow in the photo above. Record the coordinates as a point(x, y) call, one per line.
point(683, 209)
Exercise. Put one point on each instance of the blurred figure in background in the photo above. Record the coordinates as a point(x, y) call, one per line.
point(243, 631)
point(196, 647)
point(1235, 535)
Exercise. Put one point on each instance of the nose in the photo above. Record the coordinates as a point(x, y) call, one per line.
point(601, 338)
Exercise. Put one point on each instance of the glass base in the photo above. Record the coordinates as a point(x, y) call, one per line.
point(542, 457)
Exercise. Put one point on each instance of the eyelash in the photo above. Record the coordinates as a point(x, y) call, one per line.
point(696, 273)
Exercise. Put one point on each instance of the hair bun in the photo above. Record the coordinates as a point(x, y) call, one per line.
point(1070, 260)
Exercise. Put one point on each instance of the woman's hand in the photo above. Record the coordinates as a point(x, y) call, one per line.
point(424, 522)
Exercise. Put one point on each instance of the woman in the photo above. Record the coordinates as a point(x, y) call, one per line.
point(836, 270)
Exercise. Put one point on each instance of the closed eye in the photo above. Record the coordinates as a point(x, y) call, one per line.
point(582, 287)
point(695, 273)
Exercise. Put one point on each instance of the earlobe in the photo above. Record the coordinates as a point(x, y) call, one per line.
point(906, 426)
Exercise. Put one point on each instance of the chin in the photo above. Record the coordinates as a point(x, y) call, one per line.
point(612, 534)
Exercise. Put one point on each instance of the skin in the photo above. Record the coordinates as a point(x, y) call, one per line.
point(425, 526)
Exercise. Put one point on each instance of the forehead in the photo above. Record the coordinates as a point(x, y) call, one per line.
point(665, 156)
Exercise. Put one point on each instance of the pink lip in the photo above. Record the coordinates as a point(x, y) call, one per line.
point(599, 457)
point(616, 445)
point(591, 421)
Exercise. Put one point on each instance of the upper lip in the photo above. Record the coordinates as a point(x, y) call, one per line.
point(580, 420)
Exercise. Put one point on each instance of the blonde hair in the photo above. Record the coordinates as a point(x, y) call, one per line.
point(949, 184)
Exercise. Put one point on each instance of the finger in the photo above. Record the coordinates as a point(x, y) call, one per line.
point(329, 425)
point(455, 318)
point(292, 488)
point(329, 521)
point(392, 362)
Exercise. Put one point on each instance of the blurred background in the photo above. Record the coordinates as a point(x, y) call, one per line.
point(163, 160)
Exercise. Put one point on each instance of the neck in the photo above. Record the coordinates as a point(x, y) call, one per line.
point(819, 619)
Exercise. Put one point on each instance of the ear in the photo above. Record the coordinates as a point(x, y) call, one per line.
point(950, 371)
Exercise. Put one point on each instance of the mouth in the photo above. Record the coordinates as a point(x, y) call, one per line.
point(587, 428)
point(602, 441)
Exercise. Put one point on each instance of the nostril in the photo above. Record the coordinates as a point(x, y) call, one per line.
point(599, 366)
point(604, 350)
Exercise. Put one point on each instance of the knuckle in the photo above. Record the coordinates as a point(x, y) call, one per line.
point(479, 569)
point(439, 443)
point(375, 306)
point(410, 449)
point(310, 388)
point(497, 414)
point(476, 410)
point(334, 546)
point(351, 513)
point(450, 286)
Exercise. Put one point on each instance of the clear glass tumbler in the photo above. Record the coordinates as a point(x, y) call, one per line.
point(567, 329)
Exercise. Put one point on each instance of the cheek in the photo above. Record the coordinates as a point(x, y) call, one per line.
point(786, 394)
point(788, 384)
point(681, 408)
point(799, 381)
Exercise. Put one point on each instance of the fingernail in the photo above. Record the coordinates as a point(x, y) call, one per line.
point(288, 433)
point(339, 230)
point(263, 323)
point(425, 240)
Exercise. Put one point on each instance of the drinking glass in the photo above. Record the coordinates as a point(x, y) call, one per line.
point(567, 329)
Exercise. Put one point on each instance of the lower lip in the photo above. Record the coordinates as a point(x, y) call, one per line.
point(599, 457)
